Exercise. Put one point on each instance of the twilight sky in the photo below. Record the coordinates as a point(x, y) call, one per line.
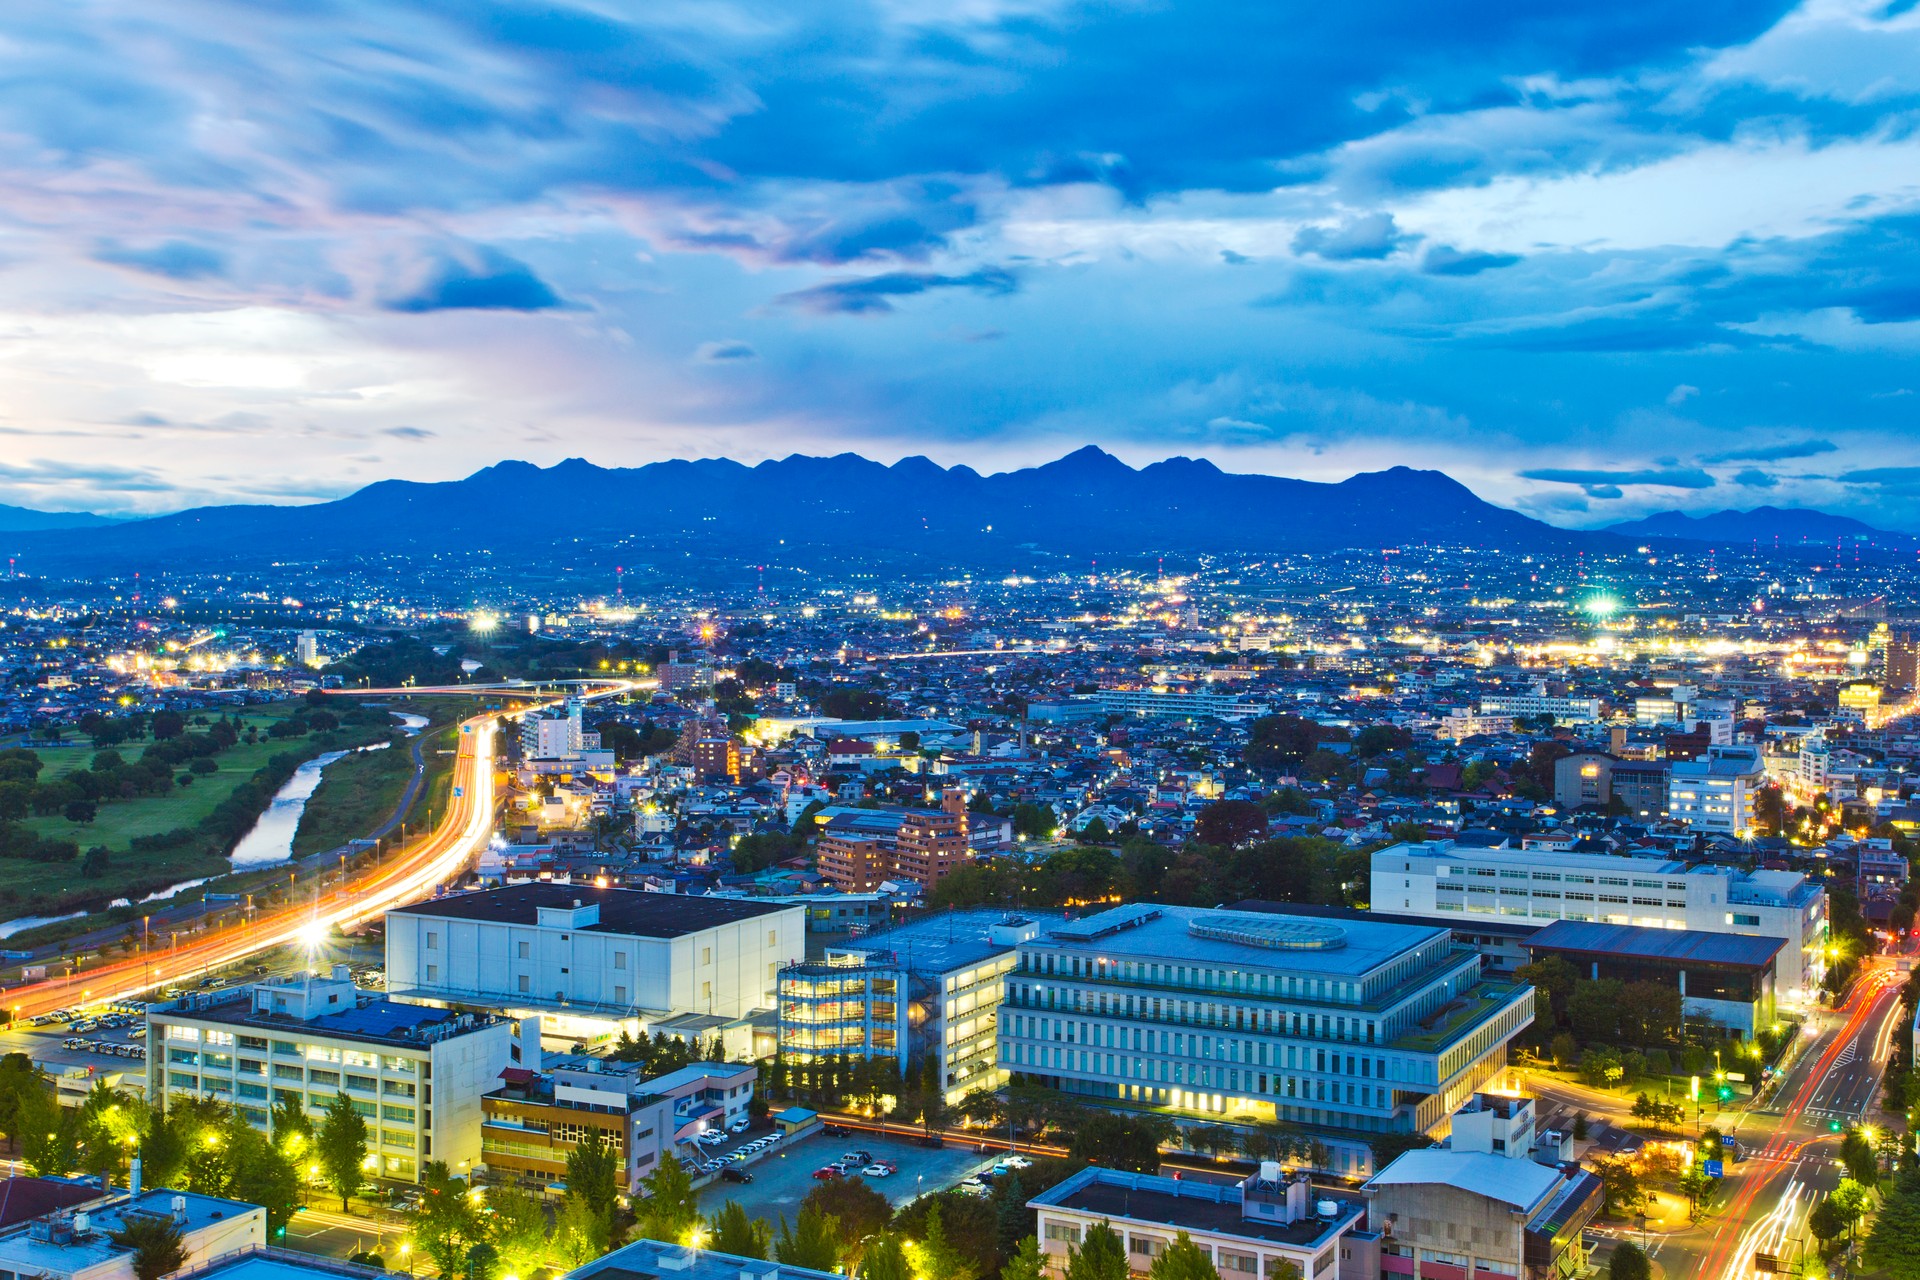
point(1591, 258)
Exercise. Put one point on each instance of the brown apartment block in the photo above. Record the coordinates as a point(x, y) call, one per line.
point(863, 847)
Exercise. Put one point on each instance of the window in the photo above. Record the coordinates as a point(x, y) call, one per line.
point(706, 955)
point(524, 950)
point(619, 959)
point(706, 991)
point(619, 995)
point(390, 1112)
point(525, 983)
point(433, 973)
point(771, 935)
point(365, 1084)
point(433, 940)
point(1063, 1231)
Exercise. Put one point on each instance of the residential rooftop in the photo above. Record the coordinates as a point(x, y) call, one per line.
point(1190, 1205)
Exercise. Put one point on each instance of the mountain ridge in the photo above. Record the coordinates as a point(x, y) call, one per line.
point(1796, 526)
point(1085, 502)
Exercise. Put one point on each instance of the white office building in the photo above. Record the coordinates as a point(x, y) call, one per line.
point(1441, 881)
point(1563, 710)
point(1342, 1027)
point(594, 960)
point(417, 1074)
point(1715, 792)
point(79, 1244)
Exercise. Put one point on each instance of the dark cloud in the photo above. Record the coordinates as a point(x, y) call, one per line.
point(1445, 260)
point(1607, 492)
point(410, 433)
point(1773, 452)
point(479, 278)
point(872, 295)
point(1754, 478)
point(174, 259)
point(1893, 477)
point(719, 352)
point(1673, 478)
point(1371, 236)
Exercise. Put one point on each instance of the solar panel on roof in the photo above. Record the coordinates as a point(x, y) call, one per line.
point(1105, 923)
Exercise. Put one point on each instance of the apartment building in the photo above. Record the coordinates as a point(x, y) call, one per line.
point(594, 961)
point(416, 1073)
point(1343, 1028)
point(860, 849)
point(1445, 882)
point(536, 1118)
point(1268, 1225)
point(1184, 704)
point(1714, 792)
point(927, 988)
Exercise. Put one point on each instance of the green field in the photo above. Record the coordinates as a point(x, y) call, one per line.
point(358, 793)
point(37, 888)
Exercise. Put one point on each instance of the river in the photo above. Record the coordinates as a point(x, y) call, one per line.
point(269, 842)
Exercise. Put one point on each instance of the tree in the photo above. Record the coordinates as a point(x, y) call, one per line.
point(482, 1260)
point(1628, 1262)
point(812, 1241)
point(1857, 1153)
point(671, 1209)
point(1826, 1221)
point(518, 1229)
point(446, 1227)
point(1183, 1260)
point(593, 1174)
point(1026, 1262)
point(264, 1172)
point(1552, 978)
point(1889, 1247)
point(341, 1147)
point(736, 1233)
point(18, 1078)
point(158, 1248)
point(1620, 1182)
point(1120, 1141)
point(579, 1233)
point(858, 1208)
point(39, 1122)
point(940, 1259)
point(1850, 1201)
point(163, 1155)
point(1229, 823)
point(1101, 1256)
point(886, 1259)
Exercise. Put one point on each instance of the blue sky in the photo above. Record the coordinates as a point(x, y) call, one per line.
point(1592, 259)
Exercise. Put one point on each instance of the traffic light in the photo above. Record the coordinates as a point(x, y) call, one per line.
point(1726, 1092)
point(1693, 1089)
point(1833, 1126)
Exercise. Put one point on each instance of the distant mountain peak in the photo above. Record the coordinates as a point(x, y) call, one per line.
point(1794, 525)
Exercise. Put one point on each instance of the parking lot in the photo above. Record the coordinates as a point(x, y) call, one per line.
point(103, 1047)
point(782, 1178)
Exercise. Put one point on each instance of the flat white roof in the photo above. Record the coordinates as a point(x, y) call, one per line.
point(1513, 1180)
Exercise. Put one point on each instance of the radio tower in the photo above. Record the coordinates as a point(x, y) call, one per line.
point(620, 583)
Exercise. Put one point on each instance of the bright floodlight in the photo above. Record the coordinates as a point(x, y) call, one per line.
point(313, 934)
point(1602, 606)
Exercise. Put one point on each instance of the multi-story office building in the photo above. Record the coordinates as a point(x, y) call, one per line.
point(1903, 660)
point(1714, 792)
point(1346, 1028)
point(1563, 710)
point(928, 988)
point(1442, 881)
point(416, 1073)
point(79, 1243)
point(1641, 786)
point(1184, 704)
point(1268, 1225)
point(535, 1119)
point(594, 961)
point(1462, 722)
point(1583, 780)
point(860, 849)
point(1723, 978)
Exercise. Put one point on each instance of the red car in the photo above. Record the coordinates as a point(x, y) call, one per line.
point(831, 1171)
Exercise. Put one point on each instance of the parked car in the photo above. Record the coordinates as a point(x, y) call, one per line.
point(876, 1171)
point(1011, 1162)
point(740, 1126)
point(826, 1172)
point(974, 1187)
point(736, 1175)
point(835, 1130)
point(931, 1140)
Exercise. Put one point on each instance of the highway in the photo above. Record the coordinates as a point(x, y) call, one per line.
point(409, 873)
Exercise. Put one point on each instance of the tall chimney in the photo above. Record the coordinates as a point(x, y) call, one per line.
point(133, 1176)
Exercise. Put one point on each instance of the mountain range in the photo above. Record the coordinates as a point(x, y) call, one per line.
point(1772, 526)
point(27, 520)
point(1088, 502)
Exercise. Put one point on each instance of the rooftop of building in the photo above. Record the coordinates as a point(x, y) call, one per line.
point(1489, 925)
point(24, 1198)
point(656, 1260)
point(1641, 943)
point(1189, 1205)
point(268, 1263)
point(1517, 1182)
point(950, 940)
point(630, 912)
point(1296, 943)
point(1444, 849)
point(373, 1019)
point(29, 1247)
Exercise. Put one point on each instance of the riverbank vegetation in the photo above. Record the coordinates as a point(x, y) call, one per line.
point(359, 792)
point(83, 825)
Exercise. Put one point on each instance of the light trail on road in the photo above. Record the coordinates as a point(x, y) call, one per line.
point(410, 873)
point(1733, 1260)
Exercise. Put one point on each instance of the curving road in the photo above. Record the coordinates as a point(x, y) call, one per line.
point(411, 872)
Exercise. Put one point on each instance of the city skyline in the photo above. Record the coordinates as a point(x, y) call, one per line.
point(1592, 265)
